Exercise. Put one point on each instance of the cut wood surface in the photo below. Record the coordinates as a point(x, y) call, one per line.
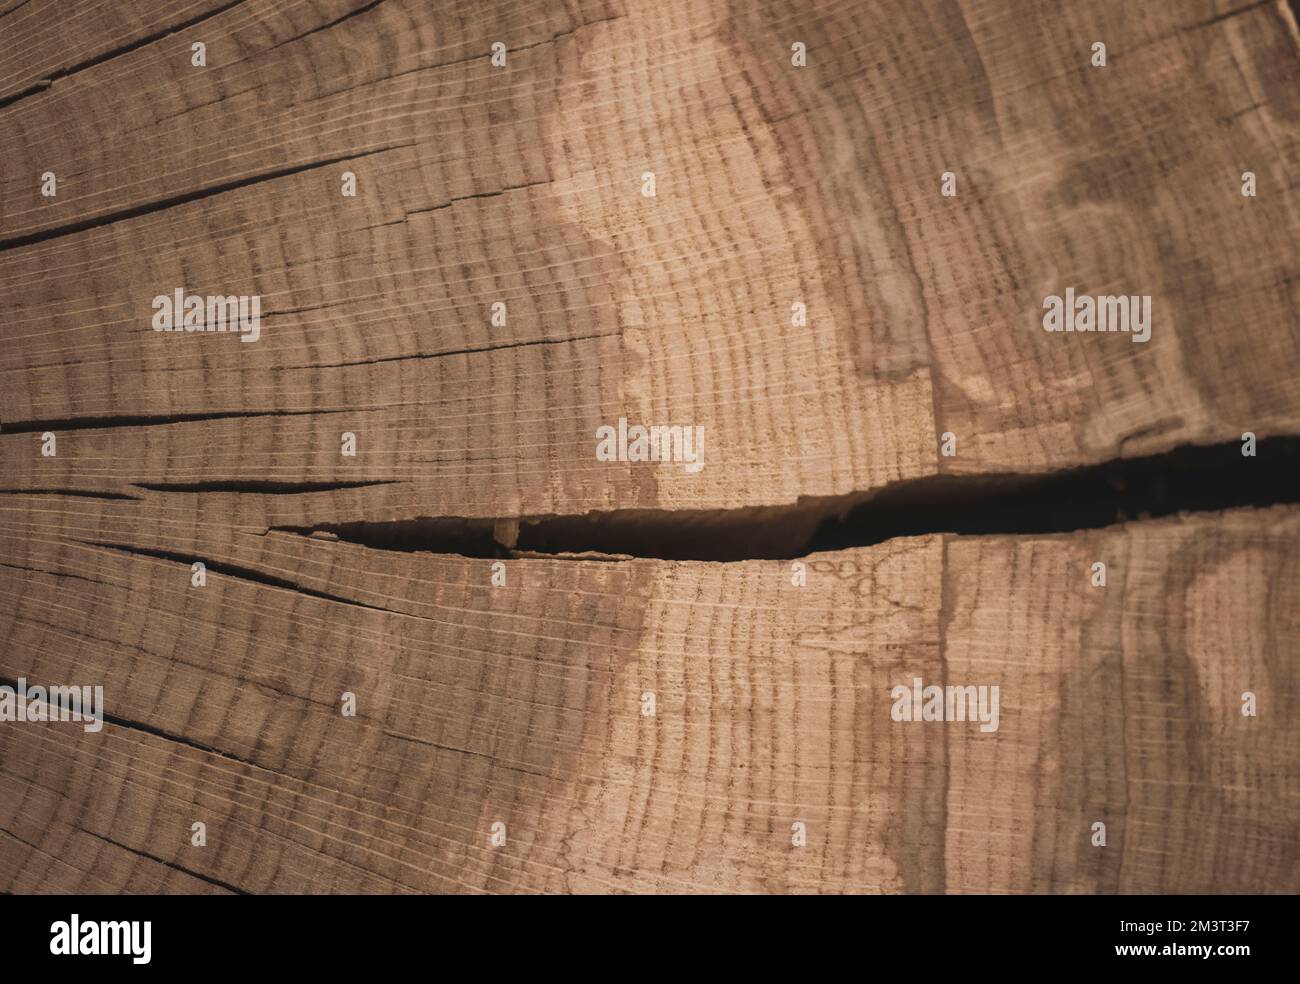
point(774, 185)
point(522, 703)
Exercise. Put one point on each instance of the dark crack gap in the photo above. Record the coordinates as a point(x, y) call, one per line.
point(259, 487)
point(482, 194)
point(246, 574)
point(144, 420)
point(42, 570)
point(1186, 480)
point(112, 53)
point(325, 27)
point(1218, 18)
point(12, 10)
point(77, 493)
point(156, 732)
point(147, 208)
point(527, 343)
point(217, 882)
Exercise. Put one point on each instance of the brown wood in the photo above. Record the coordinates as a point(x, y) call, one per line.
point(522, 704)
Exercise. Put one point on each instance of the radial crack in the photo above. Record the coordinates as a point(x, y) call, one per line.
point(1187, 479)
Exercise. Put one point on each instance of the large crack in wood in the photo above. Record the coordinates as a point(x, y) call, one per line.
point(1185, 480)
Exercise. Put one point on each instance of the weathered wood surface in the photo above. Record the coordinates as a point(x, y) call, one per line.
point(1119, 704)
point(774, 184)
point(522, 184)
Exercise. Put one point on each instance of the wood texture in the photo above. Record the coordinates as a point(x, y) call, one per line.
point(774, 185)
point(522, 704)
